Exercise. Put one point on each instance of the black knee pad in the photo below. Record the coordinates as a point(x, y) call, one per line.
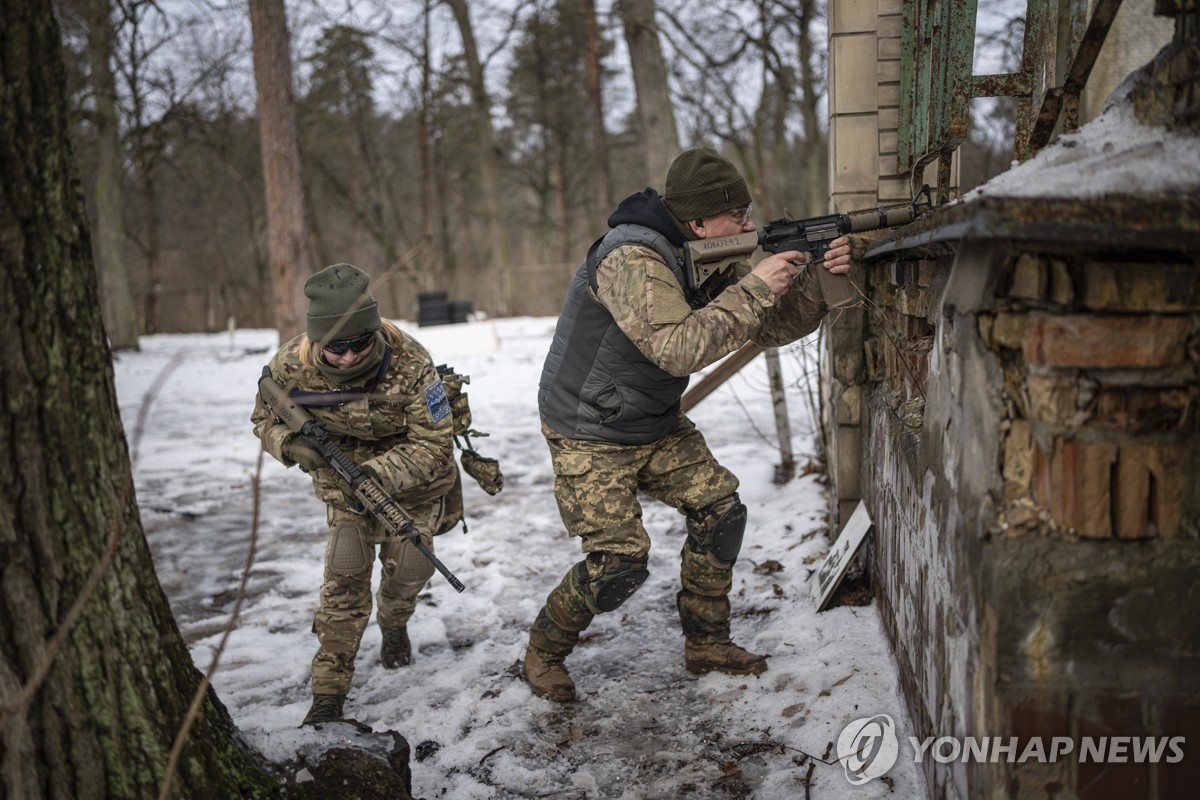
point(725, 530)
point(619, 577)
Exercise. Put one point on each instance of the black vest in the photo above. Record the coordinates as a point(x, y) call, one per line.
point(596, 384)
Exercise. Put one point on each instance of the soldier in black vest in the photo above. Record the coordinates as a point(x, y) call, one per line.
point(632, 329)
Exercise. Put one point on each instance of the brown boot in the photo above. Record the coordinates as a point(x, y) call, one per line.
point(550, 681)
point(724, 657)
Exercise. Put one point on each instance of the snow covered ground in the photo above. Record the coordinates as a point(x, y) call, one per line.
point(643, 727)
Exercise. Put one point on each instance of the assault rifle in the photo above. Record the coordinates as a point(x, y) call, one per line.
point(705, 257)
point(377, 503)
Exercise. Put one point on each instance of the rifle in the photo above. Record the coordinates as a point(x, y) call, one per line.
point(704, 257)
point(381, 506)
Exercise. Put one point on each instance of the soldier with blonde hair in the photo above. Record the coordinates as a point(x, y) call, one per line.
point(376, 391)
point(633, 328)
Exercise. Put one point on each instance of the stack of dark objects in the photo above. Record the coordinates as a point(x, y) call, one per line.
point(436, 308)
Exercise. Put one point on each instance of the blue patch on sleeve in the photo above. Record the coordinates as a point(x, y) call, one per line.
point(436, 401)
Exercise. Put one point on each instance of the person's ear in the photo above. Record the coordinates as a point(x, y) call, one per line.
point(697, 226)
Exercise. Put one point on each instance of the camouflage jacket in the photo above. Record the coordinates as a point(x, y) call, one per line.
point(650, 307)
point(400, 431)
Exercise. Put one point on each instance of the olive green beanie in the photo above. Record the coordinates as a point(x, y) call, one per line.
point(340, 305)
point(701, 183)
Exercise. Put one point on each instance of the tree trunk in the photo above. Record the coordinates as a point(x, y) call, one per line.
point(489, 156)
point(650, 82)
point(287, 232)
point(101, 721)
point(120, 311)
point(591, 55)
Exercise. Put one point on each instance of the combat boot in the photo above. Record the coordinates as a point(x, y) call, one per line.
point(325, 708)
point(396, 650)
point(550, 681)
point(724, 657)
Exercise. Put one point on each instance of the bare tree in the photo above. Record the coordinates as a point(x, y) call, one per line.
point(87, 709)
point(288, 243)
point(489, 157)
point(655, 113)
point(591, 55)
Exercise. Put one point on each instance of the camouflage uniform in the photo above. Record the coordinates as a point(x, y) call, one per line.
point(597, 482)
point(399, 432)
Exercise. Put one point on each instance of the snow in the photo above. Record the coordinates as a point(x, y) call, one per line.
point(1112, 154)
point(643, 727)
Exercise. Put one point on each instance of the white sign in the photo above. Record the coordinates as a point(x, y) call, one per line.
point(833, 569)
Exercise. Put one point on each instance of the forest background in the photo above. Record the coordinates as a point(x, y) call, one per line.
point(476, 148)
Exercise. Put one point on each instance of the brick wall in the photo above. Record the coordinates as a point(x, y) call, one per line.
point(1031, 443)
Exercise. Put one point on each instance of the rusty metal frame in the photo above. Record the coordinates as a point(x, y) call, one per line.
point(937, 84)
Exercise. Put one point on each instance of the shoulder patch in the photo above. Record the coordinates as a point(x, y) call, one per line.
point(436, 401)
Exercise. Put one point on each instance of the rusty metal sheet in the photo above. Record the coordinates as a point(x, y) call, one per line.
point(1077, 71)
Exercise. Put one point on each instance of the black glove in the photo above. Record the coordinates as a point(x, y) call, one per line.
point(303, 453)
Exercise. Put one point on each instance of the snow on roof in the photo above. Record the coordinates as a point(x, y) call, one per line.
point(1112, 154)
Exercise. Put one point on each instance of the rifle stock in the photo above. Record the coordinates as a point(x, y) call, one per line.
point(377, 502)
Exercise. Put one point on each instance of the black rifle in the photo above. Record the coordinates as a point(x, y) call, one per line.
point(377, 502)
point(704, 257)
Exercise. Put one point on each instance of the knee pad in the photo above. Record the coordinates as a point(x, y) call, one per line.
point(609, 579)
point(349, 553)
point(722, 527)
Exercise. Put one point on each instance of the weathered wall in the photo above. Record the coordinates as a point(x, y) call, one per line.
point(1017, 401)
point(1031, 447)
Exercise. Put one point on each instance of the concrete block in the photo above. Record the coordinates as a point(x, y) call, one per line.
point(855, 154)
point(889, 142)
point(891, 25)
point(1106, 341)
point(889, 48)
point(845, 203)
point(853, 16)
point(1009, 330)
point(889, 119)
point(888, 72)
point(889, 95)
point(894, 190)
point(1029, 278)
point(852, 74)
point(888, 165)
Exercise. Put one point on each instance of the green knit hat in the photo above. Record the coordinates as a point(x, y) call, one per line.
point(340, 305)
point(701, 183)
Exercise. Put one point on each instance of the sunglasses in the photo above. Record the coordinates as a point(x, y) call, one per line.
point(357, 344)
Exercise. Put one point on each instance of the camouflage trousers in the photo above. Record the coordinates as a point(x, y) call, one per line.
point(345, 605)
point(596, 485)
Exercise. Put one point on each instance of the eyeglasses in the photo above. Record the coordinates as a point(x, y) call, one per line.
point(357, 344)
point(739, 215)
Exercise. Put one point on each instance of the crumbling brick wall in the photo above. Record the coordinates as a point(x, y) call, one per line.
point(1031, 457)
